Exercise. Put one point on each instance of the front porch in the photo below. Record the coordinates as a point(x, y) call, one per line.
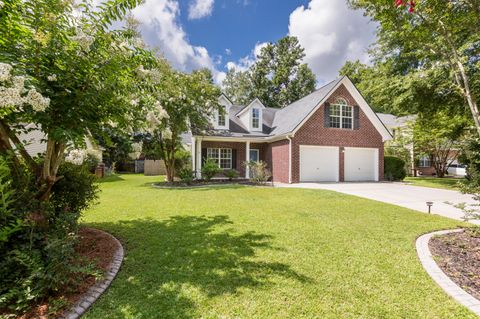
point(227, 154)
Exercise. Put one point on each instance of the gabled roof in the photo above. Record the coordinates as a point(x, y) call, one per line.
point(287, 119)
point(280, 122)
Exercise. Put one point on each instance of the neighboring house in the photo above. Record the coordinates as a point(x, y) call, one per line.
point(330, 135)
point(420, 164)
point(35, 142)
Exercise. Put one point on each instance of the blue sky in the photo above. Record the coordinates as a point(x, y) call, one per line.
point(221, 34)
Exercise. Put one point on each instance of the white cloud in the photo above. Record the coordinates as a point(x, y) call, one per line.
point(244, 63)
point(228, 51)
point(198, 9)
point(160, 28)
point(331, 34)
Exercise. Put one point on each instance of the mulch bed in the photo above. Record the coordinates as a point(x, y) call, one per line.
point(93, 247)
point(458, 255)
point(201, 183)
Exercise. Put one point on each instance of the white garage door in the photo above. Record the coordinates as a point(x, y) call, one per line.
point(361, 164)
point(319, 164)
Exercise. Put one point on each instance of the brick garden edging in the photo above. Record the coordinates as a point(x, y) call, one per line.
point(440, 277)
point(89, 298)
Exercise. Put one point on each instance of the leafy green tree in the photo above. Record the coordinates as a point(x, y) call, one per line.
point(439, 136)
point(432, 36)
point(182, 102)
point(82, 71)
point(237, 86)
point(278, 77)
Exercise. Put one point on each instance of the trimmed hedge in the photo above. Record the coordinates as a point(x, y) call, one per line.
point(394, 168)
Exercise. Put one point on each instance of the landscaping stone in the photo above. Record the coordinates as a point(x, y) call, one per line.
point(90, 297)
point(440, 277)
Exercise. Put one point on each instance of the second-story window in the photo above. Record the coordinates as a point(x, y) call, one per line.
point(341, 114)
point(221, 116)
point(255, 118)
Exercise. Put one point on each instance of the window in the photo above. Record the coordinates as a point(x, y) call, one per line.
point(341, 114)
point(221, 116)
point(424, 161)
point(255, 118)
point(221, 156)
point(254, 155)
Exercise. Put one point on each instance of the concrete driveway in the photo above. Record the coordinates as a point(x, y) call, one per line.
point(413, 197)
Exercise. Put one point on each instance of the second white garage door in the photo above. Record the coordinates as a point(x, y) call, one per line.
point(361, 164)
point(319, 164)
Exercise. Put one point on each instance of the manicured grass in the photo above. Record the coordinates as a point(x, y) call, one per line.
point(434, 182)
point(246, 252)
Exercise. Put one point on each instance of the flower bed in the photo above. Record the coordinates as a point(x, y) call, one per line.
point(203, 183)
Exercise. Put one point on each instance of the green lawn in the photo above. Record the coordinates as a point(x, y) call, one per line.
point(444, 183)
point(245, 252)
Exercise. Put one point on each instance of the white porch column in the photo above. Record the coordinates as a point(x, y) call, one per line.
point(247, 159)
point(198, 166)
point(193, 148)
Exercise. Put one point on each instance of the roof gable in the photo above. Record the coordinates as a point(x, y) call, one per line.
point(292, 117)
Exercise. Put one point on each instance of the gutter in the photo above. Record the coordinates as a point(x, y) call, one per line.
point(289, 138)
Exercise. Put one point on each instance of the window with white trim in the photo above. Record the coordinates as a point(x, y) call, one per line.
point(424, 161)
point(341, 114)
point(254, 155)
point(255, 118)
point(221, 119)
point(221, 156)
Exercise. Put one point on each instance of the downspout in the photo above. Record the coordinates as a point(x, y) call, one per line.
point(289, 138)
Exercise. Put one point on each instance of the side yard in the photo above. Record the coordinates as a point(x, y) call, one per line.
point(434, 182)
point(245, 252)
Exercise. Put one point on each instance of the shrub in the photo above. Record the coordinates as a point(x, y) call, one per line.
point(259, 174)
point(231, 174)
point(394, 168)
point(209, 169)
point(186, 175)
point(37, 240)
point(182, 159)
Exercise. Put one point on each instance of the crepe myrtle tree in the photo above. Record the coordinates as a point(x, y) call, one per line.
point(182, 102)
point(64, 70)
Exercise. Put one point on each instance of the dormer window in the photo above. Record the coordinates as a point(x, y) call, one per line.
point(221, 120)
point(255, 118)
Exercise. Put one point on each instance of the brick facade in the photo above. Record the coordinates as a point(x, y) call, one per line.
point(313, 132)
point(240, 147)
point(278, 161)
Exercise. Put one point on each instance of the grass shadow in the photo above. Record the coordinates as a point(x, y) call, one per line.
point(170, 263)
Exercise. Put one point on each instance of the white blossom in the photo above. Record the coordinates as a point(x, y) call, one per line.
point(84, 40)
point(19, 82)
point(1, 4)
point(76, 157)
point(10, 97)
point(52, 78)
point(152, 120)
point(5, 70)
point(161, 113)
point(134, 102)
point(167, 134)
point(37, 101)
point(136, 150)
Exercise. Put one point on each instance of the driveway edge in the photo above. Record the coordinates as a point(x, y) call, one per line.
point(451, 288)
point(92, 295)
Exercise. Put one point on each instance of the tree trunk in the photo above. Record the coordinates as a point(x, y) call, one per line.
point(464, 84)
point(48, 176)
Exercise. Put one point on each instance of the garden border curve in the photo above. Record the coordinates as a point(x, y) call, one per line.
point(450, 287)
point(92, 295)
